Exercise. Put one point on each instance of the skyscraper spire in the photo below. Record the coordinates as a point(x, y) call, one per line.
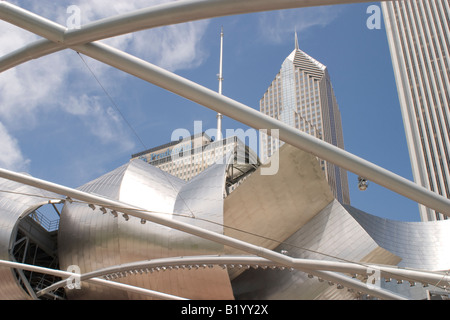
point(296, 41)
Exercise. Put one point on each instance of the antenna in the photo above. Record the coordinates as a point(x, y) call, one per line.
point(219, 116)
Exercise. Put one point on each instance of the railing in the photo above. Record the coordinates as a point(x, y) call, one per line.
point(44, 221)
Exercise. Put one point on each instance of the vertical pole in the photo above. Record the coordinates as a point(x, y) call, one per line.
point(219, 115)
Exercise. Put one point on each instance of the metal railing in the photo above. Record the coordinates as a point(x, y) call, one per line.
point(44, 221)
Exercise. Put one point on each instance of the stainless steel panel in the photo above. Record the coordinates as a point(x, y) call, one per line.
point(16, 201)
point(332, 234)
point(92, 240)
point(276, 206)
point(421, 245)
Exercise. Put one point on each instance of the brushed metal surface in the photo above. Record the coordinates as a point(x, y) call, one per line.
point(276, 206)
point(16, 202)
point(93, 240)
point(345, 233)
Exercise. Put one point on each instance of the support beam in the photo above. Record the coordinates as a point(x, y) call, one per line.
point(162, 219)
point(325, 270)
point(107, 283)
point(147, 18)
point(305, 265)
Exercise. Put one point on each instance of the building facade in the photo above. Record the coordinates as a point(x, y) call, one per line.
point(180, 158)
point(188, 157)
point(419, 39)
point(302, 96)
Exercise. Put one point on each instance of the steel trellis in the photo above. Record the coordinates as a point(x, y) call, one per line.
point(227, 106)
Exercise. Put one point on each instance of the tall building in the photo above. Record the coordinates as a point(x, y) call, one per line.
point(418, 33)
point(302, 96)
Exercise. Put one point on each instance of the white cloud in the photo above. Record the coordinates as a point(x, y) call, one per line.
point(173, 47)
point(11, 157)
point(61, 84)
point(102, 121)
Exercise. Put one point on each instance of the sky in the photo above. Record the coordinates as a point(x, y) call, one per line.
point(69, 119)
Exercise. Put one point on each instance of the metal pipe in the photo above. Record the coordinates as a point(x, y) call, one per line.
point(305, 265)
point(143, 214)
point(152, 17)
point(318, 268)
point(112, 284)
point(219, 115)
point(32, 22)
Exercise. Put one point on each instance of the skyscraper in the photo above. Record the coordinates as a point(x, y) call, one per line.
point(302, 96)
point(418, 33)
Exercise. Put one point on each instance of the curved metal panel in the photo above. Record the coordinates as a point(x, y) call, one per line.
point(16, 201)
point(276, 206)
point(421, 245)
point(332, 234)
point(344, 232)
point(93, 240)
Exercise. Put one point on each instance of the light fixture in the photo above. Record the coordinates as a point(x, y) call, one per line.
point(362, 183)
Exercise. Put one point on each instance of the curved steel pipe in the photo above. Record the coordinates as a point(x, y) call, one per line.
point(321, 269)
point(103, 282)
point(147, 18)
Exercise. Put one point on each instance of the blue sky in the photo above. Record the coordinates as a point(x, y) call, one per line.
point(57, 123)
